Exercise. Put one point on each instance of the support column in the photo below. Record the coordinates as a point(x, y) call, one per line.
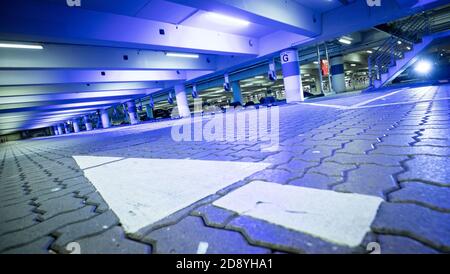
point(337, 73)
point(60, 129)
point(149, 111)
point(237, 95)
point(291, 76)
point(132, 112)
point(317, 81)
point(182, 102)
point(87, 123)
point(106, 123)
point(76, 127)
point(319, 70)
point(66, 129)
point(55, 130)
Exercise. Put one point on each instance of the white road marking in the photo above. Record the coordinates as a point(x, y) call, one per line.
point(144, 191)
point(89, 161)
point(202, 247)
point(341, 218)
point(325, 105)
point(377, 98)
point(402, 103)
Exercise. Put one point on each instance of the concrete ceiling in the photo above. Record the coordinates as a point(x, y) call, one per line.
point(107, 52)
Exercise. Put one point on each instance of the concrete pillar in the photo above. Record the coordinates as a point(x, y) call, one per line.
point(149, 111)
point(337, 73)
point(60, 129)
point(66, 129)
point(317, 81)
point(55, 130)
point(182, 102)
point(291, 76)
point(132, 113)
point(76, 127)
point(87, 123)
point(106, 123)
point(237, 95)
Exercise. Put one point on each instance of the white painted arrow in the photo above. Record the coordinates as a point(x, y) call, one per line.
point(143, 191)
point(342, 218)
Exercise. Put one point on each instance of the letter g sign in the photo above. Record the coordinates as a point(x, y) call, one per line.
point(73, 3)
point(285, 57)
point(373, 3)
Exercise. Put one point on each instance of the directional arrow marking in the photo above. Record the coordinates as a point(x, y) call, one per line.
point(342, 218)
point(144, 191)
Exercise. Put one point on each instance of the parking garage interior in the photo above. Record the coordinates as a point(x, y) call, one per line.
point(230, 127)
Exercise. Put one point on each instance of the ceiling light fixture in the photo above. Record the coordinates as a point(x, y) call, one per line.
point(182, 55)
point(369, 51)
point(423, 67)
point(224, 19)
point(345, 41)
point(20, 46)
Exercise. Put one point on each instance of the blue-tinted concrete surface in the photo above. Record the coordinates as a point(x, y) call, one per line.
point(395, 147)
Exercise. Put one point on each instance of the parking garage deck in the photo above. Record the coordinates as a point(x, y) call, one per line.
point(386, 152)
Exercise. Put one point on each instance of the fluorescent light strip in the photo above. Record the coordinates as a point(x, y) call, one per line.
point(345, 41)
point(182, 55)
point(20, 46)
point(220, 18)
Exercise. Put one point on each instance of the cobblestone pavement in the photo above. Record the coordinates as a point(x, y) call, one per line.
point(396, 148)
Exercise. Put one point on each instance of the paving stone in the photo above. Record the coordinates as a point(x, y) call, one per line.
point(40, 246)
point(112, 241)
point(279, 158)
point(422, 224)
point(93, 226)
point(358, 147)
point(411, 150)
point(18, 224)
point(15, 211)
point(34, 187)
point(62, 191)
point(22, 237)
point(316, 180)
point(377, 159)
point(398, 140)
point(265, 234)
point(96, 199)
point(317, 153)
point(214, 216)
point(402, 245)
point(52, 207)
point(331, 169)
point(434, 197)
point(185, 236)
point(173, 218)
point(428, 169)
point(274, 175)
point(297, 167)
point(436, 133)
point(432, 142)
point(380, 181)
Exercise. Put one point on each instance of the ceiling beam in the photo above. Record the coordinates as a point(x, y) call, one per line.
point(63, 107)
point(55, 56)
point(73, 97)
point(6, 91)
point(42, 77)
point(62, 24)
point(288, 15)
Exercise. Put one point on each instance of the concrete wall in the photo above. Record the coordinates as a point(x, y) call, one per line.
point(10, 137)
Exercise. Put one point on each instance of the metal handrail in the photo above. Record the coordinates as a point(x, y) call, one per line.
point(410, 31)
